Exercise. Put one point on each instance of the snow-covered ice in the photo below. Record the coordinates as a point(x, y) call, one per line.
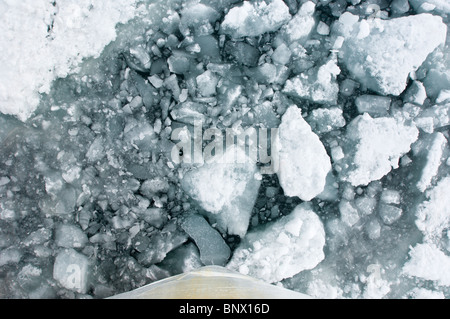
point(226, 190)
point(282, 249)
point(303, 161)
point(255, 17)
point(430, 263)
point(53, 40)
point(433, 214)
point(318, 85)
point(374, 147)
point(384, 57)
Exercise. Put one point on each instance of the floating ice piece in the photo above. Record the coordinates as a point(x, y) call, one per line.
point(301, 25)
point(50, 41)
point(375, 105)
point(430, 263)
point(349, 213)
point(436, 81)
point(326, 119)
point(213, 249)
point(416, 93)
point(197, 15)
point(243, 53)
point(390, 196)
point(303, 161)
point(318, 85)
point(283, 248)
point(72, 270)
point(154, 186)
point(389, 213)
point(207, 83)
point(422, 293)
point(323, 28)
point(444, 96)
point(373, 147)
point(10, 256)
point(155, 248)
point(96, 150)
point(226, 189)
point(433, 161)
point(281, 55)
point(439, 115)
point(439, 5)
point(70, 236)
point(383, 60)
point(269, 73)
point(433, 215)
point(253, 18)
point(399, 7)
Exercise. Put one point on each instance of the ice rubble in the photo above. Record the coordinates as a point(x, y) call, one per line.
point(53, 38)
point(303, 163)
point(282, 249)
point(378, 52)
point(318, 85)
point(92, 202)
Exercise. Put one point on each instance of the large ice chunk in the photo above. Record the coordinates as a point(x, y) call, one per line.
point(317, 84)
point(433, 215)
point(383, 56)
point(253, 18)
point(71, 270)
point(430, 263)
point(301, 25)
point(373, 147)
point(303, 161)
point(70, 236)
point(42, 40)
point(282, 249)
point(213, 249)
point(225, 188)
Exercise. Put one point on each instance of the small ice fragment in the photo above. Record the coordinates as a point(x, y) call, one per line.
point(375, 105)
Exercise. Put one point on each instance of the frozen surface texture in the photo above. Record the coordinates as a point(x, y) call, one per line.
point(382, 53)
point(282, 249)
